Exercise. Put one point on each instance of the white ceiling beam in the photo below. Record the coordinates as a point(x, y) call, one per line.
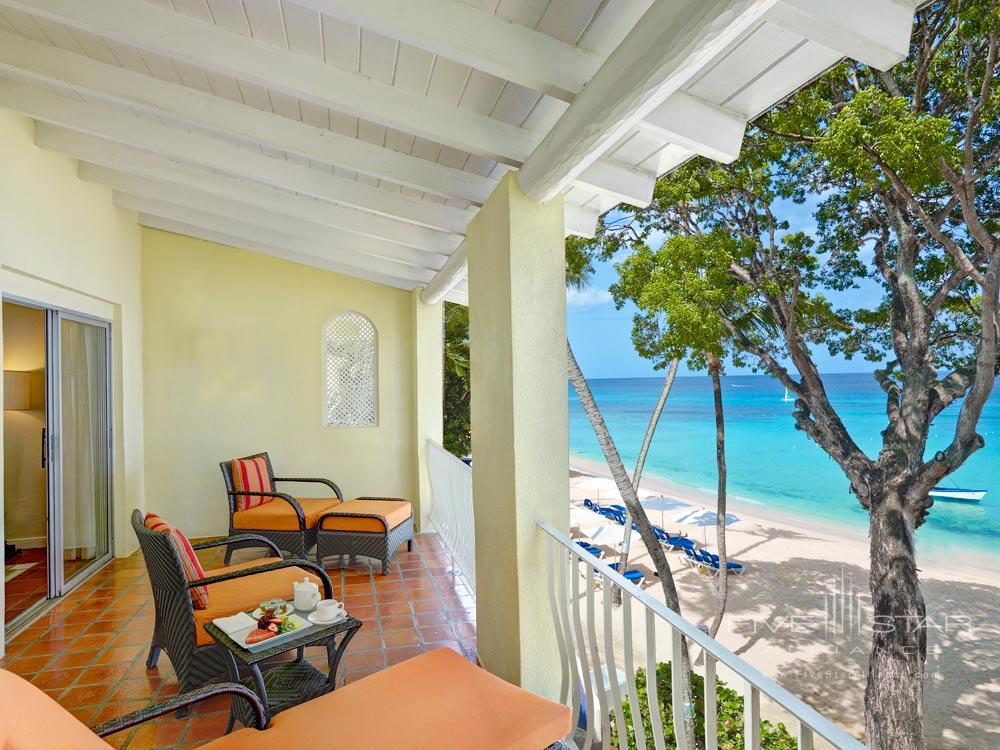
point(473, 37)
point(580, 221)
point(233, 209)
point(86, 75)
point(205, 44)
point(875, 32)
point(671, 43)
point(699, 126)
point(221, 238)
point(114, 156)
point(250, 230)
point(216, 154)
point(452, 273)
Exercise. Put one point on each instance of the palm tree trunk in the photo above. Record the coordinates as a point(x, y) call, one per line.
point(714, 371)
point(638, 517)
point(640, 463)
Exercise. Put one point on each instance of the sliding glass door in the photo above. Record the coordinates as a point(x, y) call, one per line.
point(79, 448)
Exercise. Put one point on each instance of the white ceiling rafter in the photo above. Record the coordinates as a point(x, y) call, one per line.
point(671, 44)
point(355, 244)
point(204, 44)
point(376, 127)
point(251, 230)
point(211, 152)
point(89, 76)
point(90, 149)
point(278, 251)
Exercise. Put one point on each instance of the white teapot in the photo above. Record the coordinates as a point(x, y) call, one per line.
point(305, 594)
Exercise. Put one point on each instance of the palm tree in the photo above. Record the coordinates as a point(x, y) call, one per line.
point(638, 516)
point(640, 462)
point(715, 372)
point(579, 272)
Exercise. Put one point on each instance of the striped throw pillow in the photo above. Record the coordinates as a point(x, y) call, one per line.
point(251, 475)
point(185, 553)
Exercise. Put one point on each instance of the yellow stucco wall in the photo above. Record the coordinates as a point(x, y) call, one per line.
point(233, 366)
point(64, 244)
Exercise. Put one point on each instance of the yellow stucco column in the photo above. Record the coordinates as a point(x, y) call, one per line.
point(517, 320)
point(428, 384)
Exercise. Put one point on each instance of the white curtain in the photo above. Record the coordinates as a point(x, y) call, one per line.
point(84, 440)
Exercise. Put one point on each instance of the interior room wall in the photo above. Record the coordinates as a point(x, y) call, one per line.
point(23, 477)
point(232, 366)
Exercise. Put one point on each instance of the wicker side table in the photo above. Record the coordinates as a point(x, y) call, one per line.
point(286, 683)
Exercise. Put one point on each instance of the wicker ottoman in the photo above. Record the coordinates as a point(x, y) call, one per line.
point(368, 526)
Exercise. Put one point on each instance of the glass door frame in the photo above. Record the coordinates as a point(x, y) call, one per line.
point(54, 508)
point(58, 585)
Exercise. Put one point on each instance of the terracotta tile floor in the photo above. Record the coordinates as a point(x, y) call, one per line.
point(89, 651)
point(32, 586)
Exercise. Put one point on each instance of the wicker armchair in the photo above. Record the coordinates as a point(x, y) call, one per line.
point(177, 629)
point(293, 527)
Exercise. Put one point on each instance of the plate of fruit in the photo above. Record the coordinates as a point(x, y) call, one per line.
point(272, 629)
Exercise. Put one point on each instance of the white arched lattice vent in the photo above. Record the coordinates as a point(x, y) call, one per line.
point(350, 371)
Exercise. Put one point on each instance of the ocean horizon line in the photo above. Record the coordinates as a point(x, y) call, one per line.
point(660, 377)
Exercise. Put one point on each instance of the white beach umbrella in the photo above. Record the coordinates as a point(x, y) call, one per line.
point(583, 519)
point(704, 517)
point(663, 503)
point(602, 488)
point(607, 535)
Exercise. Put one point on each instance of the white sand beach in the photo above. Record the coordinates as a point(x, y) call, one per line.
point(786, 612)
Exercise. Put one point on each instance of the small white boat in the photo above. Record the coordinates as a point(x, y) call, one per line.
point(787, 396)
point(959, 494)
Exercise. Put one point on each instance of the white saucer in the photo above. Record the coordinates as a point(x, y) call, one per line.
point(314, 618)
point(286, 611)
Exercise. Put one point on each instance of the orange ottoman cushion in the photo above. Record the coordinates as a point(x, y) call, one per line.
point(459, 705)
point(394, 512)
point(280, 516)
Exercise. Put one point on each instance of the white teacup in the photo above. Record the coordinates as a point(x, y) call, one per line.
point(328, 609)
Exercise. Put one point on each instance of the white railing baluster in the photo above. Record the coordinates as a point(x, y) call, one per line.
point(555, 570)
point(677, 687)
point(751, 717)
point(601, 721)
point(451, 512)
point(711, 706)
point(652, 691)
point(638, 728)
point(609, 662)
point(581, 654)
point(568, 566)
point(584, 664)
point(805, 737)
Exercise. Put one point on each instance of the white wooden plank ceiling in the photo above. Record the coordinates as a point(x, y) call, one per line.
point(362, 135)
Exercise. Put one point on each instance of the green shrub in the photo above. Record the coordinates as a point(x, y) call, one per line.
point(729, 716)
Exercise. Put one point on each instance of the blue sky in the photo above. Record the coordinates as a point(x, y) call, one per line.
point(602, 336)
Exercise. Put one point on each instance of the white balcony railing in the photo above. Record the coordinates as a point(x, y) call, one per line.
point(451, 507)
point(600, 656)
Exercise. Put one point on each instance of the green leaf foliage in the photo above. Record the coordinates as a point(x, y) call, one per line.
point(729, 716)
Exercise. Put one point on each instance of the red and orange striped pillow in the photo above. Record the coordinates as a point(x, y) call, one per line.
point(185, 552)
point(251, 475)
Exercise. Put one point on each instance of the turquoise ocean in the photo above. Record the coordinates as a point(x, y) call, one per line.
point(772, 464)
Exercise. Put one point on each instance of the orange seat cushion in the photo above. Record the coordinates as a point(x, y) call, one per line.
point(280, 516)
point(30, 719)
point(244, 594)
point(394, 512)
point(459, 704)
